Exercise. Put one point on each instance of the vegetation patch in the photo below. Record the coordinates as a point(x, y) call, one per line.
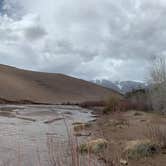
point(112, 104)
point(158, 135)
point(94, 146)
point(141, 148)
point(78, 126)
point(118, 123)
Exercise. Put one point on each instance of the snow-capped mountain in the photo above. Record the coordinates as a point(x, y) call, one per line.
point(121, 86)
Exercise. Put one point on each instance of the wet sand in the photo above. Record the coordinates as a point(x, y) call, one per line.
point(32, 135)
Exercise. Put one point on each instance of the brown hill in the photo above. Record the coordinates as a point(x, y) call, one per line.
point(22, 85)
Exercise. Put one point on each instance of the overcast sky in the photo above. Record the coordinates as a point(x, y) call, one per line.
point(89, 39)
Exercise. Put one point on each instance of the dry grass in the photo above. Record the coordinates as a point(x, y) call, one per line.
point(157, 134)
point(70, 155)
point(137, 149)
point(112, 104)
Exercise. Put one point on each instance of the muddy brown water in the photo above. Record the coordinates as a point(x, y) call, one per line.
point(32, 135)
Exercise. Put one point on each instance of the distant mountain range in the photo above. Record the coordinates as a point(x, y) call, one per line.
point(121, 86)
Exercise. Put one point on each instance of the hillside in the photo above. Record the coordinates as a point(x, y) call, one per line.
point(22, 85)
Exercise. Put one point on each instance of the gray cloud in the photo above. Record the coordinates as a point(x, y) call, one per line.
point(88, 39)
point(35, 33)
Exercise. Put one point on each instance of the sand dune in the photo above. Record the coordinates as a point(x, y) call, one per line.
point(22, 85)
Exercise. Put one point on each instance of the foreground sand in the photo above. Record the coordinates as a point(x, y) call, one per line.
point(32, 135)
point(119, 128)
point(37, 135)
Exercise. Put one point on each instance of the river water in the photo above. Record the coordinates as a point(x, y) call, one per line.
point(38, 135)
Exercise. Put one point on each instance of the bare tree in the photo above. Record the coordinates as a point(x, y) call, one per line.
point(158, 89)
point(158, 73)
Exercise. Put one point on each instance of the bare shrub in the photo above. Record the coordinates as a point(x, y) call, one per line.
point(142, 151)
point(67, 153)
point(112, 104)
point(139, 100)
point(70, 155)
point(89, 104)
point(133, 101)
point(157, 134)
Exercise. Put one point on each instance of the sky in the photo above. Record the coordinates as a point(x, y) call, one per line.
point(88, 39)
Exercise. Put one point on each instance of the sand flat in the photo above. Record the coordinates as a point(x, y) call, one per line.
point(26, 143)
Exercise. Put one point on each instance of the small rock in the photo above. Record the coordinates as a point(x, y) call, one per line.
point(123, 162)
point(137, 114)
point(68, 113)
point(143, 120)
point(94, 116)
point(82, 134)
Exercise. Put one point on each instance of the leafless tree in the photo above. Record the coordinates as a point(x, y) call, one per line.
point(158, 89)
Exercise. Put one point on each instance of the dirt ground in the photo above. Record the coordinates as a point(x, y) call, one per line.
point(119, 128)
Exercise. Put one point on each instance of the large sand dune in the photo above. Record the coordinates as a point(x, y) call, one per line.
point(19, 85)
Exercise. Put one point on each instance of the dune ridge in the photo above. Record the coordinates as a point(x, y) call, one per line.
point(18, 85)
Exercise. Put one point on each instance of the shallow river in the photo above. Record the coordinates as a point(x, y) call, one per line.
point(39, 135)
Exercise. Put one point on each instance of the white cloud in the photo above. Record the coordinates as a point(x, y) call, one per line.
point(87, 39)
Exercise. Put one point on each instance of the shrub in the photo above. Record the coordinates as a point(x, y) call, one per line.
point(143, 150)
point(136, 149)
point(157, 135)
point(139, 100)
point(94, 146)
point(112, 104)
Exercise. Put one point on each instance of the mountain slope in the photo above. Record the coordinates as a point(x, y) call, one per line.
point(17, 84)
